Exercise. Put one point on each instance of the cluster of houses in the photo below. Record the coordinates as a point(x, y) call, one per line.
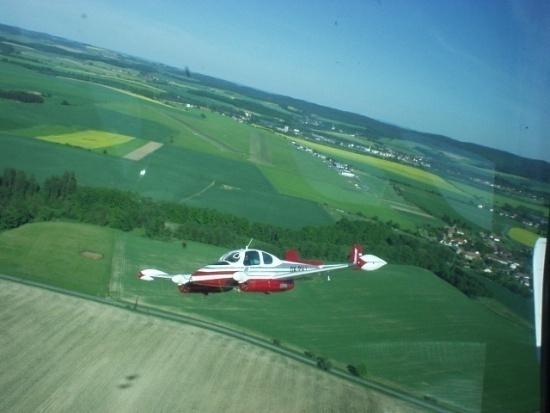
point(502, 260)
point(286, 129)
point(376, 150)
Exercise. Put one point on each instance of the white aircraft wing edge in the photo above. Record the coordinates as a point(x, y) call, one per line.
point(539, 254)
point(151, 273)
point(307, 272)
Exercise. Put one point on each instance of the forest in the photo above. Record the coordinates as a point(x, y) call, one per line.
point(24, 200)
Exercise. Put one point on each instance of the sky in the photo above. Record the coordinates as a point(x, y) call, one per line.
point(473, 70)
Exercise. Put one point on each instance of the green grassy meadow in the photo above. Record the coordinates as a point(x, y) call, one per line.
point(56, 254)
point(523, 236)
point(412, 330)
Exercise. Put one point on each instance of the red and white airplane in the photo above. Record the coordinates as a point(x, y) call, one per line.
point(252, 270)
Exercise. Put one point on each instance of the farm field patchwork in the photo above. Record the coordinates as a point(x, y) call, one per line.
point(172, 173)
point(413, 331)
point(392, 168)
point(295, 179)
point(494, 199)
point(90, 107)
point(299, 174)
point(458, 354)
point(61, 353)
point(385, 320)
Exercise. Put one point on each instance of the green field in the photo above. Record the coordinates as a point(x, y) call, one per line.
point(173, 174)
point(200, 147)
point(75, 257)
point(65, 354)
point(390, 167)
point(523, 236)
point(412, 330)
point(88, 139)
point(494, 199)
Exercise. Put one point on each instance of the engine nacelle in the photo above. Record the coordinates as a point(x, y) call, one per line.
point(266, 286)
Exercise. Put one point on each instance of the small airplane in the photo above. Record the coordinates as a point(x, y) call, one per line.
point(256, 271)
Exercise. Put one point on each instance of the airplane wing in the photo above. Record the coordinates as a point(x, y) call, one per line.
point(151, 274)
point(302, 271)
point(364, 262)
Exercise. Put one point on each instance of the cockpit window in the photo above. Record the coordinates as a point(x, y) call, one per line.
point(268, 259)
point(233, 256)
point(252, 258)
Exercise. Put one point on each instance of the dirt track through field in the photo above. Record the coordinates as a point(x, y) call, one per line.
point(143, 151)
point(199, 193)
point(411, 211)
point(64, 354)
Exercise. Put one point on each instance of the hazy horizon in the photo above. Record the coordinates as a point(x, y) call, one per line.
point(441, 69)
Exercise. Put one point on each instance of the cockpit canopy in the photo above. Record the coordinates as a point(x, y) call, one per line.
point(232, 257)
point(248, 257)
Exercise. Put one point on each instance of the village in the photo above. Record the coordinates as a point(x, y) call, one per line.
point(488, 253)
point(482, 251)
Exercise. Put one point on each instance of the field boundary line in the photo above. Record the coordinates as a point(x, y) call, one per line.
point(411, 211)
point(199, 193)
point(118, 264)
point(184, 319)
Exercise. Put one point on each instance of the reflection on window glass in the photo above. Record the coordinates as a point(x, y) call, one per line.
point(251, 258)
point(268, 259)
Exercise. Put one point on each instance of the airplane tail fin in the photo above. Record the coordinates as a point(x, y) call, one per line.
point(355, 254)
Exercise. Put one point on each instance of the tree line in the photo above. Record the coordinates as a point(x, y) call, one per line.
point(24, 200)
point(21, 96)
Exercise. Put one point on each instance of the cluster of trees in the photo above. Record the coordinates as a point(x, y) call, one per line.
point(359, 370)
point(322, 362)
point(21, 96)
point(23, 200)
